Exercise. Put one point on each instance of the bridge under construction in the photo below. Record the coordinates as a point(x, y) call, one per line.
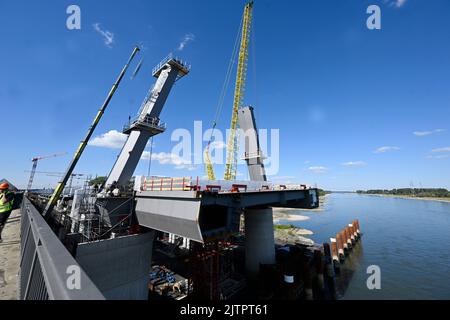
point(136, 237)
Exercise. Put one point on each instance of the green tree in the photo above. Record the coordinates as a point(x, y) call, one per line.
point(98, 180)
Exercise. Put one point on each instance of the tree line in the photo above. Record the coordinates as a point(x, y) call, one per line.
point(413, 192)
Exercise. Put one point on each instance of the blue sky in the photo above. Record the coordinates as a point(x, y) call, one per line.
point(337, 91)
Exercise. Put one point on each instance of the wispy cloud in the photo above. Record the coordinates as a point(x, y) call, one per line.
point(386, 149)
point(440, 156)
point(112, 139)
point(318, 169)
point(169, 158)
point(444, 156)
point(108, 36)
point(354, 164)
point(395, 3)
point(187, 38)
point(400, 3)
point(427, 133)
point(447, 149)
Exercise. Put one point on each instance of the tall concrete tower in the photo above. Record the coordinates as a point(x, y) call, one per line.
point(147, 124)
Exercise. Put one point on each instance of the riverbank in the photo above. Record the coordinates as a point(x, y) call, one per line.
point(410, 197)
point(287, 234)
point(286, 214)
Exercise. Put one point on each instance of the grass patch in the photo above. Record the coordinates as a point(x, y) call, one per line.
point(283, 227)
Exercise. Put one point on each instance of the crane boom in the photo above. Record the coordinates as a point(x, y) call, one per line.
point(232, 147)
point(60, 187)
point(209, 165)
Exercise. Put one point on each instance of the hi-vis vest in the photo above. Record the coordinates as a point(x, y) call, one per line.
point(7, 206)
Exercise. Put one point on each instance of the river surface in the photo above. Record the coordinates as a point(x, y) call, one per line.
point(408, 239)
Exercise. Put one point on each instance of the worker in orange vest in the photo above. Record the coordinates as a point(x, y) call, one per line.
point(6, 205)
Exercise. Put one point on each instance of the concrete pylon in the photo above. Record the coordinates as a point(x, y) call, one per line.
point(259, 239)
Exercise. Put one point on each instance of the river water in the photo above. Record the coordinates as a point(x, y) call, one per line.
point(408, 239)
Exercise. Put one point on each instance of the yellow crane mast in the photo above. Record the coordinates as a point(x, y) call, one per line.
point(232, 147)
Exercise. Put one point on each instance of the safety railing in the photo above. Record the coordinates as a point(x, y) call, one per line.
point(182, 65)
point(218, 186)
point(146, 122)
point(47, 270)
point(168, 184)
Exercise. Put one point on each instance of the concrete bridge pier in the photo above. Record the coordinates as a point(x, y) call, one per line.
point(259, 239)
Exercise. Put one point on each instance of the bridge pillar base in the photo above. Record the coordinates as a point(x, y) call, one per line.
point(259, 240)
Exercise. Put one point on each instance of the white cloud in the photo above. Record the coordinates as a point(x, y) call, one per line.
point(427, 133)
point(422, 133)
point(400, 3)
point(169, 158)
point(444, 156)
point(447, 149)
point(187, 38)
point(108, 36)
point(395, 3)
point(354, 164)
point(386, 149)
point(318, 169)
point(112, 139)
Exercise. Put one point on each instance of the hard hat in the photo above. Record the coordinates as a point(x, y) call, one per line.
point(4, 186)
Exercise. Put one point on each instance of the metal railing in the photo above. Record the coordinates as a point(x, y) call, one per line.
point(183, 66)
point(168, 184)
point(46, 267)
point(146, 122)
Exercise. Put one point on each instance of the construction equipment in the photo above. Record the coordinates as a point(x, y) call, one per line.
point(60, 187)
point(232, 147)
point(241, 75)
point(209, 165)
point(76, 176)
point(35, 162)
point(135, 72)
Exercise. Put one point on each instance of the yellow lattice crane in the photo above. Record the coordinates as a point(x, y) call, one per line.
point(241, 75)
point(209, 165)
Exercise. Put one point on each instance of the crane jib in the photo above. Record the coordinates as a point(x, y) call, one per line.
point(60, 187)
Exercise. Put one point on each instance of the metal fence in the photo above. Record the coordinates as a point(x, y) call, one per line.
point(47, 270)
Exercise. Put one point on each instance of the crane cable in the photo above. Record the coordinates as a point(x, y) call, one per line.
point(225, 84)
